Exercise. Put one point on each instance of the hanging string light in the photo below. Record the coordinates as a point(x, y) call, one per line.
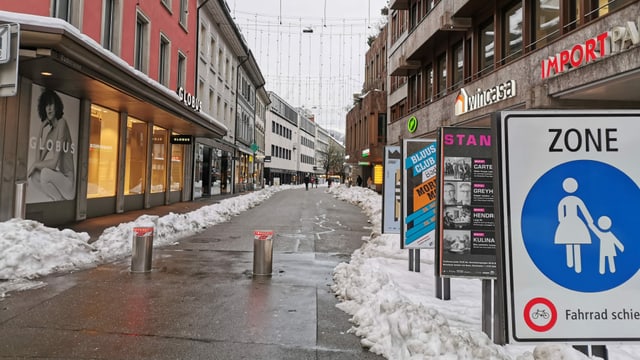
point(330, 60)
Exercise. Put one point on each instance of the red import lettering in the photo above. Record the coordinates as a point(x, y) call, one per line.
point(577, 50)
point(590, 53)
point(564, 59)
point(602, 43)
point(544, 69)
point(552, 64)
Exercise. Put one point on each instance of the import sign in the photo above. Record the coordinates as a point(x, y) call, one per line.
point(569, 197)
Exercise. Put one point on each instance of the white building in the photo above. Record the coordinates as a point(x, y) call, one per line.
point(230, 84)
point(281, 160)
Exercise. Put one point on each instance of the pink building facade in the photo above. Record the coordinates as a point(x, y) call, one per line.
point(99, 108)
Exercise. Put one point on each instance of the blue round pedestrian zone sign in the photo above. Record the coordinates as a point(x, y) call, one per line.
point(580, 226)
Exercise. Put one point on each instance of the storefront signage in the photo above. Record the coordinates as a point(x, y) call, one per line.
point(607, 43)
point(419, 183)
point(189, 100)
point(466, 102)
point(391, 190)
point(466, 246)
point(365, 153)
point(182, 139)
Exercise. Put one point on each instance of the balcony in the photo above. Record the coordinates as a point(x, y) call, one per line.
point(399, 4)
point(445, 16)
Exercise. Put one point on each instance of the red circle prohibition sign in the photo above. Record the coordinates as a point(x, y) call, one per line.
point(553, 317)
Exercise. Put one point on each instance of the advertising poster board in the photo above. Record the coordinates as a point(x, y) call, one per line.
point(467, 246)
point(53, 144)
point(391, 190)
point(419, 193)
point(568, 190)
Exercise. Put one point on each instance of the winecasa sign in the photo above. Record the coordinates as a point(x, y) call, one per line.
point(610, 42)
point(466, 102)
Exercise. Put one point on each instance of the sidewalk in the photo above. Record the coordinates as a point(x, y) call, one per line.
point(200, 301)
point(96, 226)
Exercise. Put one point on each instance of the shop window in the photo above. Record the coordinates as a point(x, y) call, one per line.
point(442, 75)
point(513, 32)
point(212, 52)
point(487, 48)
point(458, 65)
point(103, 153)
point(136, 157)
point(159, 160)
point(546, 15)
point(428, 83)
point(182, 70)
point(603, 7)
point(62, 9)
point(184, 11)
point(108, 24)
point(415, 81)
point(177, 167)
point(163, 61)
point(141, 51)
point(573, 15)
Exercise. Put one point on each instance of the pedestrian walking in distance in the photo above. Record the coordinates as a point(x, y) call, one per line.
point(306, 182)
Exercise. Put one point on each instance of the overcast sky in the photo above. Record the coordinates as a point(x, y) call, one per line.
point(320, 70)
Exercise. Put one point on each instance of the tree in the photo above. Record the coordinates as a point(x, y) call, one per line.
point(333, 160)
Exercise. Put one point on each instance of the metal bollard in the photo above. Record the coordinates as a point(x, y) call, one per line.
point(262, 252)
point(142, 249)
point(19, 205)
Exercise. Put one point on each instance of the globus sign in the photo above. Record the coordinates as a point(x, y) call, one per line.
point(190, 100)
point(607, 43)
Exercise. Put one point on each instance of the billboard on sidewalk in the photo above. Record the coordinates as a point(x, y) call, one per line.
point(391, 190)
point(418, 193)
point(466, 242)
point(568, 235)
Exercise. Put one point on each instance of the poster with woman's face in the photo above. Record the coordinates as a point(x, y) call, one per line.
point(53, 146)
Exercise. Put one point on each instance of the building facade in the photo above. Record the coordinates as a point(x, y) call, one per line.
point(281, 163)
point(262, 102)
point(366, 122)
point(250, 83)
point(455, 63)
point(322, 151)
point(102, 113)
point(219, 51)
point(231, 87)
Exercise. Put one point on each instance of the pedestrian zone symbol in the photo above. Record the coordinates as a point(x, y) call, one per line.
point(579, 226)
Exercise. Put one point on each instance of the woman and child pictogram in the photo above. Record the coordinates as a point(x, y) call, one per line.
point(573, 232)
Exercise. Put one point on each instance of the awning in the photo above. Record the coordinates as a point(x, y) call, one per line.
point(82, 68)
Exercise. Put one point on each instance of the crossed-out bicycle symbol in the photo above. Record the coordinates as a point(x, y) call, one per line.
point(540, 313)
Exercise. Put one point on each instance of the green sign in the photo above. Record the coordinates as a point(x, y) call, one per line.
point(412, 124)
point(254, 147)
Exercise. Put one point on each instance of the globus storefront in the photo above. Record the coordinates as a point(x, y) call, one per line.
point(86, 135)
